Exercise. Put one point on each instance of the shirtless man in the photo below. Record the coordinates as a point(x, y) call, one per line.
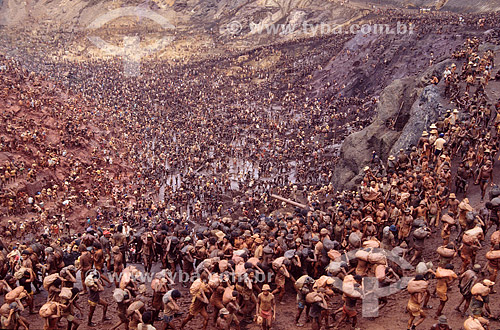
point(50, 322)
point(118, 264)
point(147, 252)
point(405, 225)
point(233, 308)
point(54, 289)
point(419, 242)
point(216, 301)
point(120, 240)
point(50, 261)
point(453, 205)
point(381, 215)
point(480, 304)
point(266, 307)
point(67, 308)
point(446, 233)
point(349, 308)
point(281, 274)
point(121, 307)
point(434, 211)
point(99, 261)
point(461, 180)
point(421, 211)
point(485, 174)
point(86, 262)
point(468, 254)
point(95, 299)
point(302, 291)
point(26, 282)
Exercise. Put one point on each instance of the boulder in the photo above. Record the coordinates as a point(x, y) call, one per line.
point(406, 108)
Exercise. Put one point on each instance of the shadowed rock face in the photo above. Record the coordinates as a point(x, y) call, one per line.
point(356, 151)
point(368, 63)
point(406, 108)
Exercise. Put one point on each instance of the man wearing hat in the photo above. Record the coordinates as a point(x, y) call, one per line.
point(433, 135)
point(324, 234)
point(222, 321)
point(388, 238)
point(258, 248)
point(391, 162)
point(454, 117)
point(369, 228)
point(423, 143)
point(442, 324)
point(266, 307)
point(453, 205)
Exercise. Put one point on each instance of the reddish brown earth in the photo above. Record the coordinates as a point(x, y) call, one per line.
point(48, 120)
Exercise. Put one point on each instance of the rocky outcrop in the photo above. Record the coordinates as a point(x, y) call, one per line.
point(406, 108)
point(370, 62)
point(422, 114)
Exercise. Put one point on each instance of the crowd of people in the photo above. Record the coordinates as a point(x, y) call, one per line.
point(195, 207)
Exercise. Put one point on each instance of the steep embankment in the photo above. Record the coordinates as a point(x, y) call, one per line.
point(406, 107)
point(55, 155)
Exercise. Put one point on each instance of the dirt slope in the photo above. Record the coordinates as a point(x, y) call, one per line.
point(51, 144)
